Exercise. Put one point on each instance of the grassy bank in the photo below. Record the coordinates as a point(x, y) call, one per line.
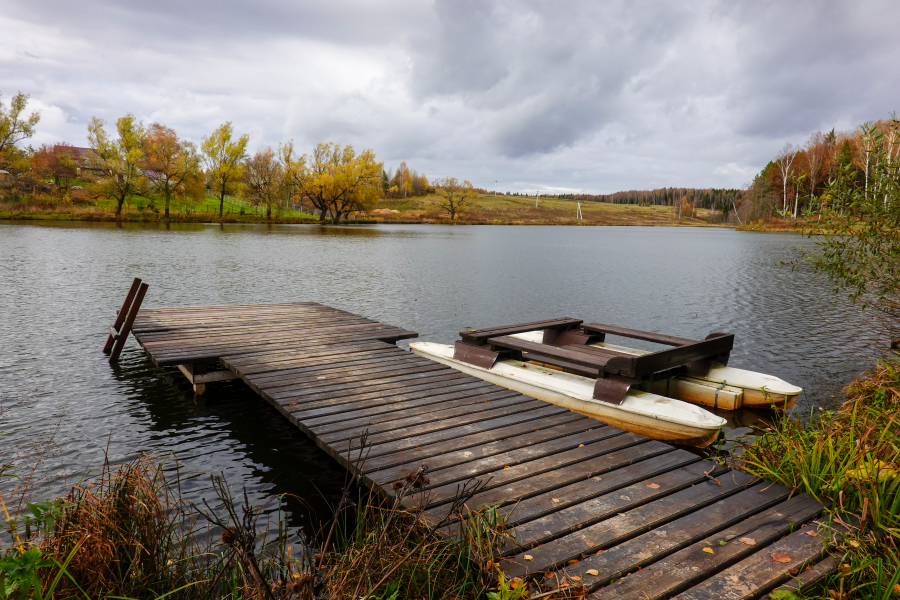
point(129, 534)
point(850, 459)
point(804, 226)
point(493, 210)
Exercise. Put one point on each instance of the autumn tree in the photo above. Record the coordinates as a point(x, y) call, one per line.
point(264, 179)
point(335, 180)
point(15, 126)
point(816, 152)
point(860, 251)
point(173, 165)
point(223, 155)
point(407, 182)
point(59, 161)
point(457, 197)
point(118, 159)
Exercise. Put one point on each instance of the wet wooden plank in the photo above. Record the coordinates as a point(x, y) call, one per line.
point(617, 561)
point(766, 569)
point(416, 438)
point(583, 504)
point(705, 558)
point(620, 526)
point(384, 421)
point(402, 410)
point(522, 481)
point(437, 392)
point(811, 577)
point(442, 456)
point(388, 455)
point(403, 428)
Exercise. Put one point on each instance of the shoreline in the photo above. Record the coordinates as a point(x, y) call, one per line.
point(210, 219)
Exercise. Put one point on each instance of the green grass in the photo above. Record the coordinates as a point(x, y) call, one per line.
point(849, 459)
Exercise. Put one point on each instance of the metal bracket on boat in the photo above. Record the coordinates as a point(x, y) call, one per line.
point(611, 390)
point(567, 337)
point(480, 356)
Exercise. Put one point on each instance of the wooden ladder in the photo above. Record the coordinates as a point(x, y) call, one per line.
point(119, 331)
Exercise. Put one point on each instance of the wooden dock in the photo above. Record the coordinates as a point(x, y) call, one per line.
point(588, 504)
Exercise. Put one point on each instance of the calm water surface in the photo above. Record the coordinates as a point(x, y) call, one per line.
point(61, 284)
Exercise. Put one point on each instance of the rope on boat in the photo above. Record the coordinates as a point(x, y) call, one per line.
point(716, 401)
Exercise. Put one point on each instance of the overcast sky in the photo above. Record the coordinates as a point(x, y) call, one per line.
point(577, 95)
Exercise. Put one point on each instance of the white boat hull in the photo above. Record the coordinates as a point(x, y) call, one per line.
point(649, 414)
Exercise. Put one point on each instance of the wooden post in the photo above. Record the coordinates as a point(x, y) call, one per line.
point(123, 332)
point(120, 318)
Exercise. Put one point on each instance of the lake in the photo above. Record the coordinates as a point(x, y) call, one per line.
point(60, 285)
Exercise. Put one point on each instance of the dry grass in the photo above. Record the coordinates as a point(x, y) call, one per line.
point(521, 210)
point(130, 534)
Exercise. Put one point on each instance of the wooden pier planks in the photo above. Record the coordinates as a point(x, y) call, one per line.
point(588, 504)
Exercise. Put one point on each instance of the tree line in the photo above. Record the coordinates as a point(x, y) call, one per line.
point(131, 159)
point(798, 182)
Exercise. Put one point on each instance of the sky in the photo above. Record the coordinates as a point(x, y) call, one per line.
point(563, 96)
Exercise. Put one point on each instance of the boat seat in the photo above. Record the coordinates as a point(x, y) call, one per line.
point(478, 336)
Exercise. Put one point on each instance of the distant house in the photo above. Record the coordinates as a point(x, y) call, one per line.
point(85, 158)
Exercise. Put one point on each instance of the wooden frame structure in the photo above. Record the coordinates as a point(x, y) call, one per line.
point(566, 345)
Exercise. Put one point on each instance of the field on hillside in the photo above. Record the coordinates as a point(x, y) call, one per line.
point(521, 210)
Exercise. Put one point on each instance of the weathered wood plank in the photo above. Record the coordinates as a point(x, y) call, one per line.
point(621, 526)
point(762, 572)
point(710, 555)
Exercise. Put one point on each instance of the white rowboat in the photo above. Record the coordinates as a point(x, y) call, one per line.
point(650, 414)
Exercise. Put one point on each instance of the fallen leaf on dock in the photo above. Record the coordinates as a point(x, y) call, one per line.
point(592, 572)
point(596, 479)
point(555, 499)
point(708, 550)
point(781, 557)
point(748, 541)
point(733, 578)
point(654, 486)
point(574, 578)
point(528, 557)
point(572, 562)
point(581, 445)
point(811, 533)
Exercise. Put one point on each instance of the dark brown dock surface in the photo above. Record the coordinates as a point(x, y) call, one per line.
point(589, 504)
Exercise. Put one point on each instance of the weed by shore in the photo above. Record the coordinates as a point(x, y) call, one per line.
point(130, 535)
point(849, 458)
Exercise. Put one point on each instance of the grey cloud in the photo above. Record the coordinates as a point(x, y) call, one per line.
point(588, 95)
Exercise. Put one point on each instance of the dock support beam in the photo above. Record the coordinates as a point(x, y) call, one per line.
point(199, 375)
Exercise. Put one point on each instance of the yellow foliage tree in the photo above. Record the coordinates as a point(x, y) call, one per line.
point(457, 197)
point(118, 159)
point(335, 180)
point(223, 156)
